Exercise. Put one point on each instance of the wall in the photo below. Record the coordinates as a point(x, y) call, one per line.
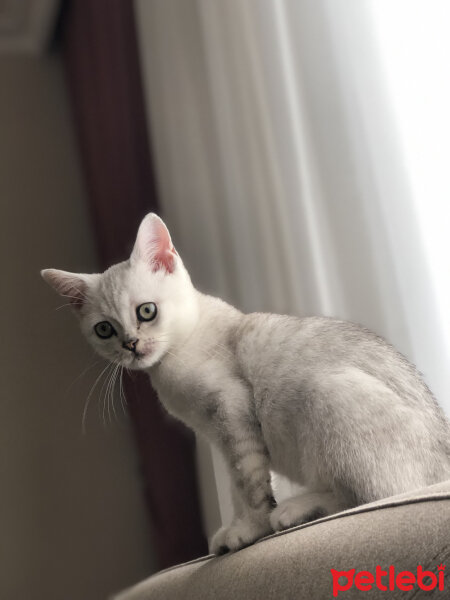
point(72, 519)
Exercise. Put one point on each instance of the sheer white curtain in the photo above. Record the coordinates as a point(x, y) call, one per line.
point(288, 162)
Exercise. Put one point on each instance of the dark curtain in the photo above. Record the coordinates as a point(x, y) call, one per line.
point(101, 60)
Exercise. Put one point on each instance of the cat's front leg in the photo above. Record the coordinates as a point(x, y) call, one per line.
point(253, 501)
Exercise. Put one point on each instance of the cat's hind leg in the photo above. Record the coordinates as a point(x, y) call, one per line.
point(306, 507)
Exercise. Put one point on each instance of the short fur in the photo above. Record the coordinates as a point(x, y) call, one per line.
point(324, 402)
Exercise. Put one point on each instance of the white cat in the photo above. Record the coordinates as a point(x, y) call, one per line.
point(324, 402)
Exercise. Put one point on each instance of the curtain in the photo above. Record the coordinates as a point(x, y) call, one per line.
point(282, 168)
point(102, 67)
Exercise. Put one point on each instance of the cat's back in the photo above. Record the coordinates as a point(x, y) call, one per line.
point(319, 374)
point(291, 350)
point(267, 338)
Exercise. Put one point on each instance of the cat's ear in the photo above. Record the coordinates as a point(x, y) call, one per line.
point(154, 246)
point(72, 286)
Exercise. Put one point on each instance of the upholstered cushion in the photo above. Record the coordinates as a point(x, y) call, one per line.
point(403, 531)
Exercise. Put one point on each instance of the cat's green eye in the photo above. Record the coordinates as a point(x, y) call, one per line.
point(146, 311)
point(104, 330)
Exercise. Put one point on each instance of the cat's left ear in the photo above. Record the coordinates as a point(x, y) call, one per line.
point(154, 246)
point(72, 286)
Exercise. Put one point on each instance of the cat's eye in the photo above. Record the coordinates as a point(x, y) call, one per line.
point(146, 311)
point(104, 330)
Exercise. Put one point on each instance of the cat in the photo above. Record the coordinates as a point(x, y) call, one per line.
point(324, 402)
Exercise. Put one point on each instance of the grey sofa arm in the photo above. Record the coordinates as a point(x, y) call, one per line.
point(301, 563)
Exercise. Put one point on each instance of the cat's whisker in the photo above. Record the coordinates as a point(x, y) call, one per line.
point(101, 402)
point(113, 389)
point(121, 392)
point(108, 393)
point(70, 296)
point(176, 357)
point(88, 399)
point(63, 306)
point(79, 292)
point(83, 372)
point(106, 397)
point(77, 298)
point(102, 395)
point(168, 351)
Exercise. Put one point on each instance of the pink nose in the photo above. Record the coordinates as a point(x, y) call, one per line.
point(130, 345)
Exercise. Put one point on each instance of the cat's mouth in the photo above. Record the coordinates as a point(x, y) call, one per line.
point(142, 357)
point(138, 357)
point(136, 361)
point(139, 360)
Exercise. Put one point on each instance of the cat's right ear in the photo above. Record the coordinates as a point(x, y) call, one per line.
point(72, 286)
point(154, 246)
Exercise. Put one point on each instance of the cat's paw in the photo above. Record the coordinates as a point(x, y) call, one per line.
point(302, 509)
point(236, 536)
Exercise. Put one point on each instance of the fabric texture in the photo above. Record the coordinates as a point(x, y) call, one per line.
point(404, 531)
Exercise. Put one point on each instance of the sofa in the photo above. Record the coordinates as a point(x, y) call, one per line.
point(398, 547)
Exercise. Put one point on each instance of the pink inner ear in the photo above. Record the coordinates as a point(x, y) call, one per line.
point(159, 249)
point(164, 259)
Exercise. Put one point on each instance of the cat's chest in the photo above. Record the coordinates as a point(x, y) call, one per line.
point(190, 390)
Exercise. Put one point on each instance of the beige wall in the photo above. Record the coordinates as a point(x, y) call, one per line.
point(72, 520)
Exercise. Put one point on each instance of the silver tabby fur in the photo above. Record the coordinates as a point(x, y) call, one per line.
point(324, 402)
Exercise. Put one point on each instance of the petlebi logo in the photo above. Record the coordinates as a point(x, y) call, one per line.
point(387, 580)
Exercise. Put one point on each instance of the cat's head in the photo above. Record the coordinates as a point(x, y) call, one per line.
point(135, 311)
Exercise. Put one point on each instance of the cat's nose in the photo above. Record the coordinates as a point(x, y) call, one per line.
point(130, 345)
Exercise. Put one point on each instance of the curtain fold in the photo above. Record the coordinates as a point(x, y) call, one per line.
point(281, 168)
point(102, 67)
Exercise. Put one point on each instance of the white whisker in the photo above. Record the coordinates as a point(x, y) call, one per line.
point(176, 357)
point(83, 372)
point(81, 295)
point(102, 395)
point(108, 394)
point(63, 306)
point(113, 388)
point(86, 406)
point(121, 392)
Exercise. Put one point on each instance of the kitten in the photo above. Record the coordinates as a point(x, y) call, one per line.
point(324, 402)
